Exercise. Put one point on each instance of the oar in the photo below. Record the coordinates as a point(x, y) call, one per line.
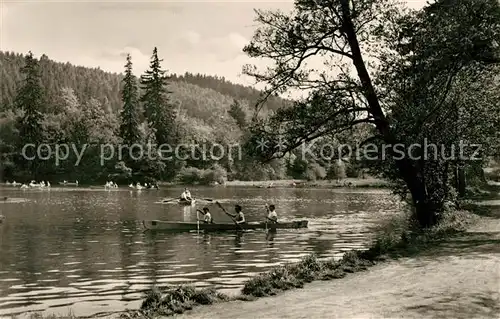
point(234, 221)
point(197, 222)
point(267, 211)
point(168, 200)
point(274, 221)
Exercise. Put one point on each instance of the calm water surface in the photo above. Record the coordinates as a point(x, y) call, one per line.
point(86, 250)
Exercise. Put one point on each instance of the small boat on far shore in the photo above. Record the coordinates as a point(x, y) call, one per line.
point(66, 183)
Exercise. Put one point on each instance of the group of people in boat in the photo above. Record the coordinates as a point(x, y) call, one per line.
point(145, 186)
point(239, 216)
point(32, 184)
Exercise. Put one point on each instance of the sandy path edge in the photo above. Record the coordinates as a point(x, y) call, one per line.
point(459, 278)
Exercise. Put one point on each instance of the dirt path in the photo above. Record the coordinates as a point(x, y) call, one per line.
point(459, 278)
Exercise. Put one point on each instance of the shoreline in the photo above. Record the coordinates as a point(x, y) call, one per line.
point(346, 182)
point(368, 182)
point(457, 278)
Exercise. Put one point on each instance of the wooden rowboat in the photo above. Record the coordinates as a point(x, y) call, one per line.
point(186, 202)
point(186, 226)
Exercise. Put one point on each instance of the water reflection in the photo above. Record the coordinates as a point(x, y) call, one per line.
point(270, 234)
point(87, 248)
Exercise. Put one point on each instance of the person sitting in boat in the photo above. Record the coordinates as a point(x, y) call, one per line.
point(186, 195)
point(240, 217)
point(207, 217)
point(272, 216)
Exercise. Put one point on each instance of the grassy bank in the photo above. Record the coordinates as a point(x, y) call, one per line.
point(397, 238)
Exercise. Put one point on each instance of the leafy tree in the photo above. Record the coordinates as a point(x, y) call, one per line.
point(8, 135)
point(341, 34)
point(439, 80)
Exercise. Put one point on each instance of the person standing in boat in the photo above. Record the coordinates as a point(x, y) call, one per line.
point(186, 195)
point(272, 216)
point(239, 217)
point(207, 217)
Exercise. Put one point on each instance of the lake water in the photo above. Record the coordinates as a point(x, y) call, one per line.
point(85, 250)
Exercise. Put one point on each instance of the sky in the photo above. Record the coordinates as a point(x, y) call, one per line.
point(195, 36)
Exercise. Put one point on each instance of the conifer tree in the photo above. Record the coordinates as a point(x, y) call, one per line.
point(129, 127)
point(158, 112)
point(30, 100)
point(237, 113)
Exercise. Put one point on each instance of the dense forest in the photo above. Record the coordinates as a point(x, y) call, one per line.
point(88, 106)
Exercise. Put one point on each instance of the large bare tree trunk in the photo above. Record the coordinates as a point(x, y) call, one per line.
point(425, 211)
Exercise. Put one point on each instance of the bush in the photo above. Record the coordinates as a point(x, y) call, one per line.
point(352, 170)
point(217, 174)
point(316, 170)
point(193, 175)
point(190, 175)
point(337, 171)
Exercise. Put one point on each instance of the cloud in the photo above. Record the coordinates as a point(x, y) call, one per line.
point(192, 37)
point(142, 7)
point(227, 47)
point(238, 40)
point(113, 54)
point(112, 60)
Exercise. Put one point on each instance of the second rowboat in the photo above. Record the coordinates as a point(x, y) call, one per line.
point(187, 202)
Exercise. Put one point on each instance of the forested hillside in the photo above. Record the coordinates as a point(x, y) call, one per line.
point(105, 86)
point(83, 105)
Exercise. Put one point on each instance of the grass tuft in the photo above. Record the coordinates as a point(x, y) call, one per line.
point(173, 301)
point(38, 315)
